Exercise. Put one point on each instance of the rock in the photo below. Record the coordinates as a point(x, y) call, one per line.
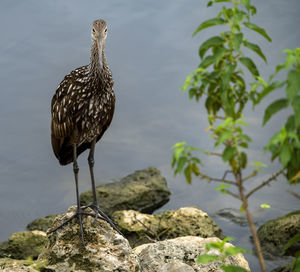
point(286, 268)
point(105, 250)
point(142, 228)
point(176, 266)
point(11, 265)
point(143, 191)
point(275, 233)
point(182, 251)
point(23, 245)
point(234, 215)
point(42, 224)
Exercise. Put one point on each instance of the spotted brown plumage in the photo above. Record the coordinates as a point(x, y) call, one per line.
point(82, 109)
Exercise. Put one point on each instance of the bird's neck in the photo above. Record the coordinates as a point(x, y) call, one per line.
point(95, 67)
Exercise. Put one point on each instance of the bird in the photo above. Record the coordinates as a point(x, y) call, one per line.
point(82, 109)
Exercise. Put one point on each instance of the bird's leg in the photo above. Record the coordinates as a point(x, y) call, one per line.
point(79, 212)
point(95, 205)
point(91, 165)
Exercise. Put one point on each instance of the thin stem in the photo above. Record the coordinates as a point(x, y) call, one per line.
point(264, 183)
point(213, 153)
point(232, 194)
point(253, 174)
point(238, 177)
point(217, 179)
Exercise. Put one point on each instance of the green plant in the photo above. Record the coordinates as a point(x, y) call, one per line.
point(220, 80)
point(285, 144)
point(223, 251)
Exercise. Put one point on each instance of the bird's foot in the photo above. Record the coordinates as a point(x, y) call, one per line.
point(79, 214)
point(102, 216)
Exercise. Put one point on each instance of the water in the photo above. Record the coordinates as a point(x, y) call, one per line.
point(150, 51)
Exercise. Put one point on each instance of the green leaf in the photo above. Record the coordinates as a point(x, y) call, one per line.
point(209, 23)
point(205, 258)
point(285, 154)
point(265, 206)
point(225, 78)
point(225, 135)
point(293, 240)
point(296, 107)
point(242, 208)
point(228, 153)
point(180, 164)
point(293, 84)
point(228, 239)
point(233, 268)
point(273, 108)
point(222, 188)
point(254, 47)
point(237, 40)
point(212, 42)
point(258, 29)
point(234, 250)
point(188, 174)
point(274, 85)
point(212, 59)
point(246, 3)
point(250, 65)
point(258, 165)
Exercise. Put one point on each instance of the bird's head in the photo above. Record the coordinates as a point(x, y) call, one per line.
point(99, 32)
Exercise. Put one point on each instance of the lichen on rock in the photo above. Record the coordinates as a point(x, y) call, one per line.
point(23, 245)
point(42, 224)
point(105, 249)
point(142, 228)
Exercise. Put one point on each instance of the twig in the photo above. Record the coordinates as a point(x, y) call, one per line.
point(213, 153)
point(253, 174)
point(216, 179)
point(264, 183)
point(232, 194)
point(226, 172)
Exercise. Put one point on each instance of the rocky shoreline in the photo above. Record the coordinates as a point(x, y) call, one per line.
point(170, 241)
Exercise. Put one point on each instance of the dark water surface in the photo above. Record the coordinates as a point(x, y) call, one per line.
point(150, 51)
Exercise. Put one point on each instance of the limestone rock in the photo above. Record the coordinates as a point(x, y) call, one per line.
point(23, 245)
point(183, 250)
point(145, 228)
point(42, 224)
point(143, 191)
point(11, 265)
point(176, 266)
point(275, 233)
point(105, 250)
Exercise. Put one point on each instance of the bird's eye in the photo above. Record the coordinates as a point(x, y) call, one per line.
point(93, 30)
point(105, 30)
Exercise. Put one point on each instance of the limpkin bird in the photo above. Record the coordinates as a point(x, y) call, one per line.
point(81, 111)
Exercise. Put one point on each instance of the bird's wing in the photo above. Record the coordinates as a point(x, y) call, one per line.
point(67, 100)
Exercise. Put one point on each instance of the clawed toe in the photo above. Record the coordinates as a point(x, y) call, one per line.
point(103, 216)
point(80, 213)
